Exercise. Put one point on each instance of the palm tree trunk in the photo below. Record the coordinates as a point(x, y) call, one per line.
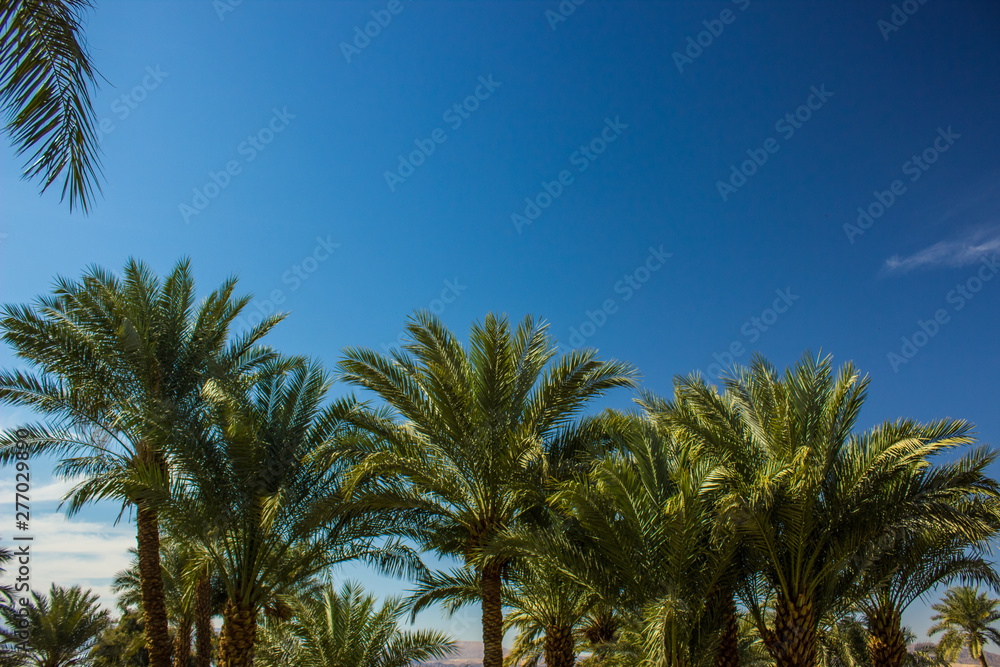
point(154, 606)
point(560, 650)
point(239, 634)
point(982, 658)
point(793, 642)
point(886, 645)
point(203, 622)
point(729, 645)
point(674, 658)
point(492, 618)
point(182, 643)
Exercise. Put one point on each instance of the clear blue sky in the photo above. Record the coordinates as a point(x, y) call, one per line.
point(633, 142)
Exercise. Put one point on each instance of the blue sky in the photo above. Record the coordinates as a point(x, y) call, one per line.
point(697, 202)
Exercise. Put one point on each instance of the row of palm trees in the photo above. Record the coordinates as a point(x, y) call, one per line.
point(329, 627)
point(672, 534)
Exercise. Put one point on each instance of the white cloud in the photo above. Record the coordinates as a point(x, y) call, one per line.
point(953, 254)
point(54, 490)
point(86, 550)
point(74, 551)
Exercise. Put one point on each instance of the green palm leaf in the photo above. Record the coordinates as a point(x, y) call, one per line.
point(45, 79)
point(345, 628)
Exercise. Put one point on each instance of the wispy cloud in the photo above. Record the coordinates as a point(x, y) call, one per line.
point(76, 551)
point(54, 490)
point(952, 254)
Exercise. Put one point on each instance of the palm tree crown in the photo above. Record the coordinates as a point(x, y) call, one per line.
point(346, 629)
point(646, 541)
point(484, 428)
point(967, 618)
point(810, 498)
point(262, 492)
point(62, 626)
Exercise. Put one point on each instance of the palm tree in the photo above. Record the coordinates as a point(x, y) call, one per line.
point(921, 657)
point(261, 491)
point(62, 626)
point(648, 543)
point(807, 495)
point(549, 610)
point(191, 599)
point(347, 629)
point(194, 595)
point(483, 428)
point(128, 587)
point(9, 655)
point(45, 81)
point(208, 594)
point(906, 567)
point(123, 644)
point(601, 624)
point(967, 618)
point(750, 645)
point(117, 361)
point(841, 642)
point(844, 642)
point(735, 563)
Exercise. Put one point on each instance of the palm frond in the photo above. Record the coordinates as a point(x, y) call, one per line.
point(46, 76)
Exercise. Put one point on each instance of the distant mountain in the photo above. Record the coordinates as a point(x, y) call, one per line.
point(470, 654)
point(964, 658)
